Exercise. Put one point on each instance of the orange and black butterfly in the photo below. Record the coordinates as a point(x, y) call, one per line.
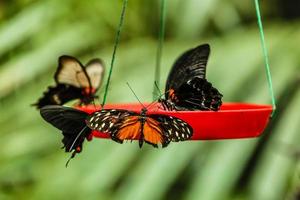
point(154, 129)
point(187, 87)
point(73, 81)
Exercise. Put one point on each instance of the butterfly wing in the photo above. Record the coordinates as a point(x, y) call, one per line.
point(173, 128)
point(153, 133)
point(71, 122)
point(59, 95)
point(95, 70)
point(128, 128)
point(197, 94)
point(192, 63)
point(107, 120)
point(71, 72)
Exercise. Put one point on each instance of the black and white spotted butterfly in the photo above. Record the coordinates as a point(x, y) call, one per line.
point(187, 87)
point(154, 129)
point(73, 81)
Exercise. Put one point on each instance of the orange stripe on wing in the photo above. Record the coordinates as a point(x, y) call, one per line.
point(153, 132)
point(130, 129)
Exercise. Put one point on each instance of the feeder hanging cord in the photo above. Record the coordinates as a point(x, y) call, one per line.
point(265, 52)
point(115, 50)
point(161, 34)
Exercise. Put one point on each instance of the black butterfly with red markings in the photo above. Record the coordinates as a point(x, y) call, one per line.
point(187, 87)
point(73, 81)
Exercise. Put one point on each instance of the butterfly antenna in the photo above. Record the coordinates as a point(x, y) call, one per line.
point(80, 133)
point(135, 95)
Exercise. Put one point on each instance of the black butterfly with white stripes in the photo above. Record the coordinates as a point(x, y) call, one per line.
point(73, 81)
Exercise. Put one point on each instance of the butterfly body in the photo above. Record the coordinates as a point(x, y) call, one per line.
point(141, 127)
point(187, 87)
point(73, 81)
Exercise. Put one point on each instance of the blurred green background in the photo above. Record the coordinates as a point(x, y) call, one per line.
point(33, 34)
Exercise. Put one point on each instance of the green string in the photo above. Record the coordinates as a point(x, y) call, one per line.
point(115, 50)
point(161, 34)
point(265, 52)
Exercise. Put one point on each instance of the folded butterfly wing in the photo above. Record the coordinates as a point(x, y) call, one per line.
point(192, 63)
point(95, 71)
point(71, 122)
point(70, 71)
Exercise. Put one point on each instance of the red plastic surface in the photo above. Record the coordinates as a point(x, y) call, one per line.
point(232, 121)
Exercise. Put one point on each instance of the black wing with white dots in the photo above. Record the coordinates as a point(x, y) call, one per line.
point(174, 129)
point(107, 119)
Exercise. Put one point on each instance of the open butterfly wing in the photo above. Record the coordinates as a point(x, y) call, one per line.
point(129, 128)
point(174, 128)
point(95, 70)
point(70, 71)
point(192, 63)
point(107, 119)
point(154, 133)
point(70, 121)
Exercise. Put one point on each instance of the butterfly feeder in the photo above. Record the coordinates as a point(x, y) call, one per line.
point(230, 121)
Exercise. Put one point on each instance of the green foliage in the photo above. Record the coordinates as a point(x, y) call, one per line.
point(34, 33)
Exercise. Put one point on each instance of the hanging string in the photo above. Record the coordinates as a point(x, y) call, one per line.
point(115, 50)
point(161, 35)
point(265, 52)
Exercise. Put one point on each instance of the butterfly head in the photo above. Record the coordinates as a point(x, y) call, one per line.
point(88, 91)
point(172, 95)
point(143, 111)
point(88, 95)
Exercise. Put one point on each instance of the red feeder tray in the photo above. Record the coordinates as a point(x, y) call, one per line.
point(232, 121)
